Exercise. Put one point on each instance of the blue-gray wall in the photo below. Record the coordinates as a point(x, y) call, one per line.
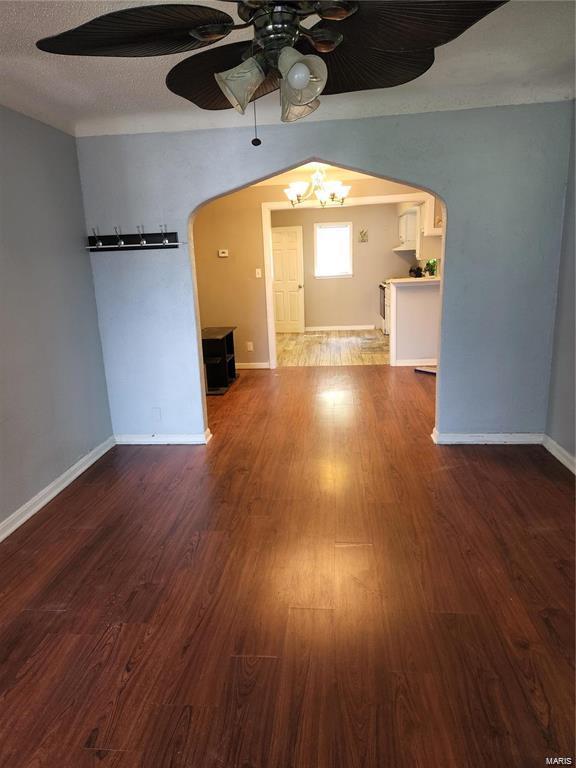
point(561, 418)
point(53, 402)
point(502, 173)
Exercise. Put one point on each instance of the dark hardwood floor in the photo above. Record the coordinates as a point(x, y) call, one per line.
point(319, 587)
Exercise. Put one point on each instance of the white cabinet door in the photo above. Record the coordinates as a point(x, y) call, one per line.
point(288, 283)
point(419, 234)
point(402, 223)
point(407, 227)
point(432, 215)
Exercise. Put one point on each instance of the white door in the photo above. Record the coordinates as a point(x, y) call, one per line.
point(288, 279)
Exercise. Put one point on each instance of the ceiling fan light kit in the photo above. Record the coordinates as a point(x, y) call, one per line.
point(358, 46)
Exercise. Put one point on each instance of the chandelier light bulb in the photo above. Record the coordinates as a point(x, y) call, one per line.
point(299, 76)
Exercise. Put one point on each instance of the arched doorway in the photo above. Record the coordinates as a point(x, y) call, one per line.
point(384, 190)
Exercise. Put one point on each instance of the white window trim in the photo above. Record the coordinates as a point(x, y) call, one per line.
point(326, 225)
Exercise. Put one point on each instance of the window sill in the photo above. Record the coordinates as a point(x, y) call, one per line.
point(331, 277)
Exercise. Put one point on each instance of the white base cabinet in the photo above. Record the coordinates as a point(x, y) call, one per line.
point(414, 319)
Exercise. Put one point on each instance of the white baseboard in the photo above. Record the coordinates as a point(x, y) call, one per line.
point(17, 518)
point(340, 327)
point(27, 510)
point(417, 362)
point(507, 438)
point(489, 438)
point(250, 366)
point(186, 439)
point(560, 453)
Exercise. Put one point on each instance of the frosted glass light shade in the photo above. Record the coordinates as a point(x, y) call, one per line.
point(333, 187)
point(240, 83)
point(299, 187)
point(295, 190)
point(289, 59)
point(292, 112)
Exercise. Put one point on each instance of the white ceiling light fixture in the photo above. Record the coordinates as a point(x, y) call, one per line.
point(303, 80)
point(326, 192)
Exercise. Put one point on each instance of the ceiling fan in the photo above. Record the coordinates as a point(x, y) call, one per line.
point(358, 45)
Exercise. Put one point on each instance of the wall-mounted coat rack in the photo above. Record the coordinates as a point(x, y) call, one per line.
point(142, 241)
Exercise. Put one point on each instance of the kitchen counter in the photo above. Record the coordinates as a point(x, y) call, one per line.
point(410, 280)
point(414, 320)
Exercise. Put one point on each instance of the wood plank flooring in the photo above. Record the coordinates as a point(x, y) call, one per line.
point(314, 348)
point(319, 587)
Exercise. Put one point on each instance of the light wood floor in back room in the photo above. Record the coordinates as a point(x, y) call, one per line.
point(370, 347)
point(319, 587)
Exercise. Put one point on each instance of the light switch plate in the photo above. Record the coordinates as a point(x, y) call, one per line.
point(223, 253)
point(258, 273)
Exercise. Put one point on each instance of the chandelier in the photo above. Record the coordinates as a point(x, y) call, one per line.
point(326, 192)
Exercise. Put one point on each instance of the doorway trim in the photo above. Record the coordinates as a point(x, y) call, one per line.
point(267, 208)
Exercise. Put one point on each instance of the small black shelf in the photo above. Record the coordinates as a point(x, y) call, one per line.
point(219, 358)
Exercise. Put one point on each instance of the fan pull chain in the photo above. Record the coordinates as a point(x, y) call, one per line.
point(255, 141)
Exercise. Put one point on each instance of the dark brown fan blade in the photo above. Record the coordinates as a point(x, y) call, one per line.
point(353, 68)
point(150, 30)
point(407, 25)
point(193, 78)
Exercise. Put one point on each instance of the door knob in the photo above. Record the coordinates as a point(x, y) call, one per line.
point(300, 286)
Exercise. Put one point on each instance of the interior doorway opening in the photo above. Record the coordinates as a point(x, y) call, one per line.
point(383, 230)
point(310, 282)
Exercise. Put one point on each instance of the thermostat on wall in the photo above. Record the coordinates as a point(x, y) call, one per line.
point(223, 253)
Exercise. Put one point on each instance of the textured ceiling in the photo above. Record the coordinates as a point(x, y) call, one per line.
point(521, 53)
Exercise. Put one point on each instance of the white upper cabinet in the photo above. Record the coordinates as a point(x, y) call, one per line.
point(409, 230)
point(420, 226)
point(407, 227)
point(432, 217)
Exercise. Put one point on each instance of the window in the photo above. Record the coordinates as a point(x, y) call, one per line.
point(333, 249)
